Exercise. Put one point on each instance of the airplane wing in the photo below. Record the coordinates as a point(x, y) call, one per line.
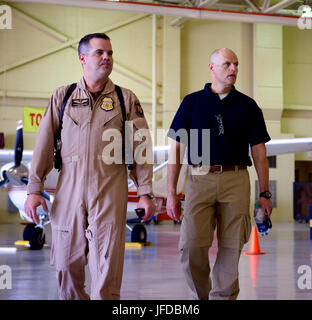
point(284, 146)
point(7, 155)
point(274, 147)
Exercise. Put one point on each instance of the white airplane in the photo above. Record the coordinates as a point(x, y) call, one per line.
point(13, 176)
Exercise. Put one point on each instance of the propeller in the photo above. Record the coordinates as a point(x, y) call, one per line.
point(18, 146)
point(16, 174)
point(5, 181)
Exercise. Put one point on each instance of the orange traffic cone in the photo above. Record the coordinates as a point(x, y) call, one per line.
point(254, 247)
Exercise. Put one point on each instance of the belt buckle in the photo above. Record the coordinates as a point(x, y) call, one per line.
point(200, 170)
point(220, 171)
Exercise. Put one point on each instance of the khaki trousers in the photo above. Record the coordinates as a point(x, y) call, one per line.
point(215, 201)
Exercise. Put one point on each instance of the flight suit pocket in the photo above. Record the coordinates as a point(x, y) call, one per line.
point(140, 123)
point(113, 120)
point(61, 247)
point(71, 143)
point(245, 230)
point(104, 241)
point(142, 142)
point(99, 244)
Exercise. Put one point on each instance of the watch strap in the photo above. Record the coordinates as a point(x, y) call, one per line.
point(149, 195)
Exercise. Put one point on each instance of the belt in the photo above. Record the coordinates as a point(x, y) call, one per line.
point(220, 168)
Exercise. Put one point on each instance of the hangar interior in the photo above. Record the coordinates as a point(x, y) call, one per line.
point(162, 58)
point(161, 63)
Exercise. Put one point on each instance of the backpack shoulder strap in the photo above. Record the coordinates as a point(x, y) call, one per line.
point(67, 95)
point(127, 149)
point(122, 102)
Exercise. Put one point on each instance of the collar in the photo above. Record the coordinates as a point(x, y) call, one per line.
point(209, 92)
point(109, 87)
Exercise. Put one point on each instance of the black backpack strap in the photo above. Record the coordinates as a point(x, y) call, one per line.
point(70, 90)
point(122, 103)
point(67, 95)
point(128, 151)
point(57, 138)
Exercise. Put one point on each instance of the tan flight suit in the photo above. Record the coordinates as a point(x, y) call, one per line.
point(89, 211)
point(215, 200)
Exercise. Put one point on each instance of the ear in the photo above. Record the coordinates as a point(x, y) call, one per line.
point(82, 58)
point(210, 66)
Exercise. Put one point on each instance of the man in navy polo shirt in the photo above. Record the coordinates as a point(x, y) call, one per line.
point(217, 191)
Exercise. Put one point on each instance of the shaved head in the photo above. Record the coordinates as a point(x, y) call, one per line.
point(223, 65)
point(215, 56)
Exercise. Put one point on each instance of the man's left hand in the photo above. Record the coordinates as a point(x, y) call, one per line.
point(148, 205)
point(266, 205)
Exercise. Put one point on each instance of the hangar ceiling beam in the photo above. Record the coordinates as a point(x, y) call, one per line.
point(168, 10)
point(39, 25)
point(280, 5)
point(207, 3)
point(72, 43)
point(265, 5)
point(252, 6)
point(203, 4)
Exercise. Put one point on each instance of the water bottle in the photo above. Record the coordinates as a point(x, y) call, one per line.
point(261, 225)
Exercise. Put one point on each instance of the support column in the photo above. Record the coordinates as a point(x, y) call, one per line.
point(154, 76)
point(268, 93)
point(268, 70)
point(171, 72)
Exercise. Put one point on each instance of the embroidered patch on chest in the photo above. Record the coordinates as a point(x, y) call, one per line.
point(220, 124)
point(80, 102)
point(138, 109)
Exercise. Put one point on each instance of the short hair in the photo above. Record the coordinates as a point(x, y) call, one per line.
point(83, 46)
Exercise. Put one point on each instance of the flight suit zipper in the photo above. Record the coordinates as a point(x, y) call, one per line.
point(93, 106)
point(88, 149)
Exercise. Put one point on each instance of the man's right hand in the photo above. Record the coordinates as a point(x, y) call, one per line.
point(174, 207)
point(32, 202)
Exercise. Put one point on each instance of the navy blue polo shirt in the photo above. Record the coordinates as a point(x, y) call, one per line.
point(235, 123)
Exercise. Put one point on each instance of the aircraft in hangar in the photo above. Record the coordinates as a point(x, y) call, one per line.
point(14, 176)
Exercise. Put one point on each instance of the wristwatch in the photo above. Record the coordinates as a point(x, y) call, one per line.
point(265, 194)
point(149, 195)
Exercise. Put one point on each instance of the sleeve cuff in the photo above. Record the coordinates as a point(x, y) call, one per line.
point(35, 188)
point(144, 189)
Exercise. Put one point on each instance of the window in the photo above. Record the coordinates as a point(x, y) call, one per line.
point(272, 161)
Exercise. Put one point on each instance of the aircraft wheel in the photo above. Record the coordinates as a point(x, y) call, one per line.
point(37, 239)
point(28, 231)
point(138, 233)
point(176, 222)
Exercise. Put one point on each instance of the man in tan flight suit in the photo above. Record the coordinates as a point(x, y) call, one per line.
point(88, 215)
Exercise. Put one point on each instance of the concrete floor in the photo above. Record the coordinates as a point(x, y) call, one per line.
point(154, 273)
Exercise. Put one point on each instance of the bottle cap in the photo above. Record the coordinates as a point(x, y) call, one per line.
point(257, 205)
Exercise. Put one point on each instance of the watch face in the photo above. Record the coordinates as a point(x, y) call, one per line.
point(266, 194)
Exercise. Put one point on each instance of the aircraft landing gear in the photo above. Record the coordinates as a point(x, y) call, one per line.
point(138, 233)
point(34, 235)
